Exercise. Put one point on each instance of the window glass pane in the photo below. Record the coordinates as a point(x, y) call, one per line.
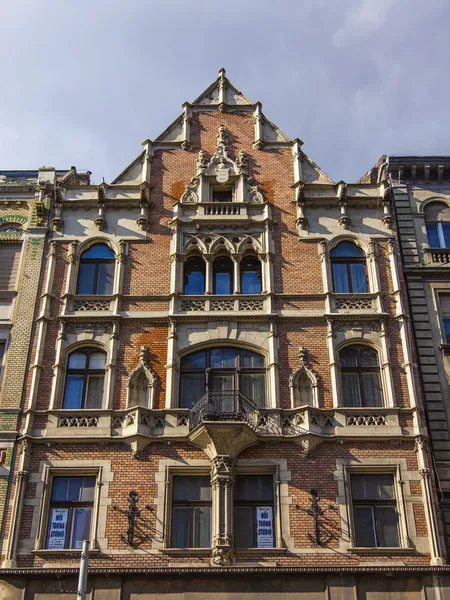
point(59, 492)
point(358, 277)
point(386, 487)
point(347, 249)
point(373, 487)
point(447, 329)
point(192, 388)
point(105, 281)
point(191, 488)
point(202, 527)
point(433, 237)
point(251, 360)
point(387, 526)
point(77, 361)
point(367, 357)
point(196, 360)
point(253, 385)
point(348, 358)
point(370, 392)
point(97, 360)
point(222, 196)
point(98, 251)
point(74, 489)
point(194, 283)
point(364, 526)
point(222, 283)
point(181, 525)
point(94, 393)
point(81, 526)
point(251, 281)
point(350, 389)
point(446, 234)
point(340, 278)
point(88, 489)
point(255, 488)
point(223, 358)
point(73, 395)
point(243, 527)
point(57, 528)
point(86, 275)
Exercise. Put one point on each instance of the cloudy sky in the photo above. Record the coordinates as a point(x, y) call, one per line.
point(85, 82)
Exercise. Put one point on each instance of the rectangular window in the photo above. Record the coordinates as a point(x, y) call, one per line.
point(375, 511)
point(222, 195)
point(444, 301)
point(9, 265)
point(254, 518)
point(70, 517)
point(191, 512)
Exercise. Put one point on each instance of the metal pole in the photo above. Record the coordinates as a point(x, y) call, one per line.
point(82, 579)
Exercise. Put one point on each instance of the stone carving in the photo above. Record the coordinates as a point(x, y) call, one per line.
point(189, 197)
point(182, 421)
point(77, 421)
point(303, 382)
point(254, 195)
point(141, 382)
point(220, 305)
point(309, 446)
point(344, 325)
point(130, 419)
point(354, 303)
point(366, 420)
point(251, 305)
point(192, 305)
point(88, 326)
point(85, 305)
point(222, 557)
point(202, 162)
point(242, 164)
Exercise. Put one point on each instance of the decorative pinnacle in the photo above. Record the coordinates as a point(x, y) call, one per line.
point(222, 72)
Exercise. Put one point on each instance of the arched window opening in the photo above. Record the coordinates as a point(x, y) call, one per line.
point(437, 219)
point(349, 269)
point(222, 372)
point(85, 379)
point(361, 382)
point(96, 272)
point(194, 276)
point(223, 270)
point(251, 275)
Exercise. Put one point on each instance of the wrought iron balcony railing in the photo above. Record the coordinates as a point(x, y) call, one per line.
point(218, 405)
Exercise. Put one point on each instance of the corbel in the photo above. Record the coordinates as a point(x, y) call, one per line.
point(72, 253)
point(121, 254)
point(344, 219)
point(100, 221)
point(257, 120)
point(144, 192)
point(301, 221)
point(57, 220)
point(426, 169)
point(186, 126)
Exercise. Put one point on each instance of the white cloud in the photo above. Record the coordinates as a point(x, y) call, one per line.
point(362, 18)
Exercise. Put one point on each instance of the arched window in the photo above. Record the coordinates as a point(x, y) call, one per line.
point(437, 219)
point(96, 272)
point(84, 379)
point(194, 276)
point(223, 269)
point(349, 269)
point(251, 275)
point(222, 372)
point(361, 383)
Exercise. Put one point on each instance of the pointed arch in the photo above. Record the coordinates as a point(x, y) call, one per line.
point(303, 383)
point(141, 383)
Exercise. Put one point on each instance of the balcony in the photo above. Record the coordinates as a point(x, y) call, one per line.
point(224, 406)
point(436, 256)
point(244, 303)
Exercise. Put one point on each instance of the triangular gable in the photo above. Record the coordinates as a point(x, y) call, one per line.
point(133, 173)
point(312, 173)
point(232, 94)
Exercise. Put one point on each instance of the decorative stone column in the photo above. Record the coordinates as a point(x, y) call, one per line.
point(222, 484)
point(236, 273)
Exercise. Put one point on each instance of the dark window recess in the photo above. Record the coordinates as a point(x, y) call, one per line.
point(349, 269)
point(254, 518)
point(360, 372)
point(194, 276)
point(191, 512)
point(375, 511)
point(222, 369)
point(222, 195)
point(223, 273)
point(96, 272)
point(85, 379)
point(444, 301)
point(9, 265)
point(251, 275)
point(70, 513)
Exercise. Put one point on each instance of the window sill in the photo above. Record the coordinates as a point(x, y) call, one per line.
point(63, 551)
point(202, 551)
point(260, 550)
point(382, 550)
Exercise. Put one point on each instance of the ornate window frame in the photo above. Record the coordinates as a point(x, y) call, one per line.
point(143, 368)
point(294, 378)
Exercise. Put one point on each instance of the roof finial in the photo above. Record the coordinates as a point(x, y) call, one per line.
point(222, 72)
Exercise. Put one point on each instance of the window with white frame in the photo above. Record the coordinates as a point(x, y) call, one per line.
point(375, 514)
point(437, 221)
point(360, 376)
point(191, 512)
point(444, 301)
point(70, 513)
point(85, 378)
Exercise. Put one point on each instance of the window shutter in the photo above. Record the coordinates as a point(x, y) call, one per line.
point(444, 300)
point(9, 265)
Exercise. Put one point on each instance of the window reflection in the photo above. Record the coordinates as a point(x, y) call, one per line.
point(349, 269)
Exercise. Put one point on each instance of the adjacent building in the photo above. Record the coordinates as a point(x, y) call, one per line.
point(223, 393)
